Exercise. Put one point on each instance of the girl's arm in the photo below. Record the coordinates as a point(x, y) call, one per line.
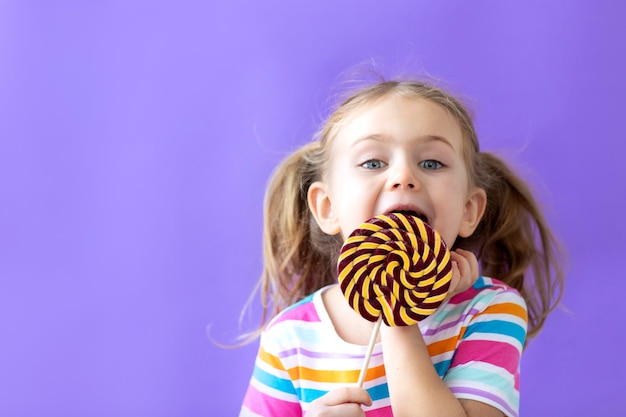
point(415, 387)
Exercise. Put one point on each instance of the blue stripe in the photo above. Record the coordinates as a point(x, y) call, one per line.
point(480, 283)
point(299, 336)
point(298, 304)
point(378, 392)
point(497, 327)
point(442, 367)
point(459, 376)
point(280, 384)
point(308, 394)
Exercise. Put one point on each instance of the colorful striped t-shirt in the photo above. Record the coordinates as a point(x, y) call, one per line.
point(475, 341)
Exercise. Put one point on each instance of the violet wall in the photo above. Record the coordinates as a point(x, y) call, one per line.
point(136, 139)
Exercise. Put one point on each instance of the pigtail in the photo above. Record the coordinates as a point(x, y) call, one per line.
point(513, 238)
point(296, 252)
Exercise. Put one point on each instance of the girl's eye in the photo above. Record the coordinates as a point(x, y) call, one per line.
point(431, 164)
point(373, 164)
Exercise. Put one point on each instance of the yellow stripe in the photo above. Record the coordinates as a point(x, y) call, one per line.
point(406, 319)
point(386, 310)
point(342, 274)
point(317, 375)
point(369, 226)
point(396, 234)
point(368, 246)
point(355, 301)
point(356, 239)
point(405, 222)
point(384, 246)
point(405, 280)
point(443, 281)
point(347, 253)
point(506, 308)
point(424, 311)
point(391, 221)
point(443, 346)
point(347, 376)
point(273, 361)
point(435, 298)
point(426, 282)
point(370, 309)
point(422, 231)
point(351, 283)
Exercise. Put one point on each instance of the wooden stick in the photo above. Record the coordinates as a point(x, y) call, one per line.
point(370, 349)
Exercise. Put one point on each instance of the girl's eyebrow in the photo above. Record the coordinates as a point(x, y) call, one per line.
point(386, 139)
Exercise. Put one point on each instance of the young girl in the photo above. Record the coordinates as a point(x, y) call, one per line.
point(400, 146)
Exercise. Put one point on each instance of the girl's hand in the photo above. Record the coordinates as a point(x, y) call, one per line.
point(346, 401)
point(464, 271)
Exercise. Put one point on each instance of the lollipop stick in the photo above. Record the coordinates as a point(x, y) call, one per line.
point(370, 349)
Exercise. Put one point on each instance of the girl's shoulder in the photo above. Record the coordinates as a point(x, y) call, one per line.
point(488, 290)
point(304, 324)
point(304, 311)
point(488, 300)
point(489, 304)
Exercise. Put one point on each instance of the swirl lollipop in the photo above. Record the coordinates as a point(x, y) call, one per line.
point(394, 268)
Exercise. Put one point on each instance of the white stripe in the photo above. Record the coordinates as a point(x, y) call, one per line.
point(330, 364)
point(510, 396)
point(512, 318)
point(446, 356)
point(261, 364)
point(245, 412)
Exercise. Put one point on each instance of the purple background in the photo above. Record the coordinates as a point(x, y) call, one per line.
point(136, 139)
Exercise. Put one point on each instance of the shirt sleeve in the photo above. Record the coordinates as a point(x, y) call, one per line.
point(486, 364)
point(271, 391)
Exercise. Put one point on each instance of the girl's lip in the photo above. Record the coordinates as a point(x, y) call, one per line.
point(409, 209)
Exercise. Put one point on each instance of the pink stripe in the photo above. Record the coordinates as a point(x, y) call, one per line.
point(487, 284)
point(442, 328)
point(379, 412)
point(304, 312)
point(466, 295)
point(264, 405)
point(499, 354)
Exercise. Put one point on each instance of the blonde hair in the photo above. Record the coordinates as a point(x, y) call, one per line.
point(513, 242)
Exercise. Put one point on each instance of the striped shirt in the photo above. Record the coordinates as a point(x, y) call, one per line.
point(475, 341)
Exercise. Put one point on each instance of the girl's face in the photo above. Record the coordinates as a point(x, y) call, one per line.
point(398, 154)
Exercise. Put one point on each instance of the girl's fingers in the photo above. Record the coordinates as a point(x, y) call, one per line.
point(472, 262)
point(347, 395)
point(455, 280)
point(461, 263)
point(464, 271)
point(342, 402)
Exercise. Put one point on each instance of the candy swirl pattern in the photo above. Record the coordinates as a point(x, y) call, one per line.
point(397, 266)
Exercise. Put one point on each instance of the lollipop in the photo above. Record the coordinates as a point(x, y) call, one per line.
point(394, 268)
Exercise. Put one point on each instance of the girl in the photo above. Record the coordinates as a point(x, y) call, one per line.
point(400, 146)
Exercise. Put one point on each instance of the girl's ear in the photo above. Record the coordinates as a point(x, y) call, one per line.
point(474, 210)
point(322, 208)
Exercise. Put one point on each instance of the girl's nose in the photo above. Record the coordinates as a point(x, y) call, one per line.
point(404, 178)
point(408, 185)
